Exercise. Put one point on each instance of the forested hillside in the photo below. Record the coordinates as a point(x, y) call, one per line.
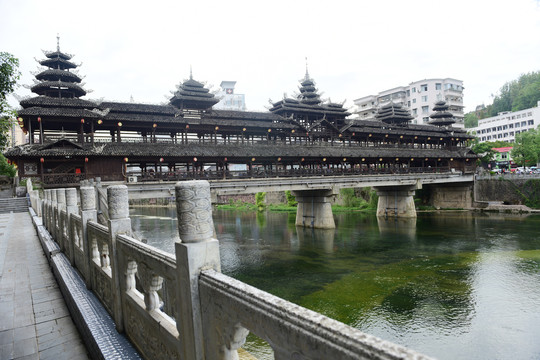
point(519, 94)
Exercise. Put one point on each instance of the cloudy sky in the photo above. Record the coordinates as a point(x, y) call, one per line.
point(143, 49)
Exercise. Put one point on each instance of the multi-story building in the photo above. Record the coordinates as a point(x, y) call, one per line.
point(230, 100)
point(506, 125)
point(418, 97)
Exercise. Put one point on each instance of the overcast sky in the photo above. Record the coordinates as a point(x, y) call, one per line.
point(143, 49)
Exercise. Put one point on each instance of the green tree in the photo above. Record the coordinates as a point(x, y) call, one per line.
point(471, 120)
point(9, 75)
point(526, 151)
point(6, 168)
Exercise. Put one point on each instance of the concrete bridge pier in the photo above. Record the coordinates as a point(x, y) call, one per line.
point(314, 208)
point(396, 201)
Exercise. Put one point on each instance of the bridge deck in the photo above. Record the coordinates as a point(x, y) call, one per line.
point(34, 320)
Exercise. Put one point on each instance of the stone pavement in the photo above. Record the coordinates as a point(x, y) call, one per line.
point(34, 320)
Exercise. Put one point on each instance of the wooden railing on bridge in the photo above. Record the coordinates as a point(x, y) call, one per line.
point(180, 305)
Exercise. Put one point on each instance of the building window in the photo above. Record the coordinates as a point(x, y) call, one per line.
point(499, 128)
point(423, 87)
point(415, 112)
point(425, 109)
point(518, 116)
point(408, 92)
point(483, 138)
point(489, 137)
point(409, 103)
point(516, 125)
point(413, 89)
point(530, 122)
point(517, 132)
point(523, 123)
point(505, 134)
point(511, 133)
point(424, 98)
point(426, 120)
point(414, 101)
point(510, 126)
point(529, 114)
point(438, 86)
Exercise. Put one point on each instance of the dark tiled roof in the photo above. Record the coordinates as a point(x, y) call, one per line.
point(47, 101)
point(149, 150)
point(58, 112)
point(47, 86)
point(55, 74)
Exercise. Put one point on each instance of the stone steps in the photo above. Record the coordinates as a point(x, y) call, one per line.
point(15, 205)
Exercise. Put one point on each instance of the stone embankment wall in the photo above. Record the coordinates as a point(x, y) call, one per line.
point(511, 189)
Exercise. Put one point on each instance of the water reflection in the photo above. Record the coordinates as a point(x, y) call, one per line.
point(452, 285)
point(402, 227)
point(317, 238)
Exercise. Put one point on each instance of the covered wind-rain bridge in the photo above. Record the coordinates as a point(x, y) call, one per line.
point(72, 139)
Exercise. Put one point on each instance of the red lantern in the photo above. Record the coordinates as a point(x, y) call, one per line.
point(42, 160)
point(119, 124)
point(100, 122)
point(126, 159)
point(160, 159)
point(195, 159)
point(39, 119)
point(82, 121)
point(154, 125)
point(225, 159)
point(85, 159)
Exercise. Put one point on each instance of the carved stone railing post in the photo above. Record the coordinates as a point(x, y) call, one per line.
point(45, 207)
point(196, 251)
point(88, 213)
point(52, 226)
point(61, 199)
point(119, 223)
point(71, 208)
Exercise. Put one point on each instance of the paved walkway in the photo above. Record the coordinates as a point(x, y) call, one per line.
point(34, 320)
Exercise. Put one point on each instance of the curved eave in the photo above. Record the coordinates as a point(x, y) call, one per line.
point(55, 75)
point(309, 109)
point(57, 54)
point(58, 63)
point(194, 102)
point(47, 101)
point(47, 86)
point(58, 113)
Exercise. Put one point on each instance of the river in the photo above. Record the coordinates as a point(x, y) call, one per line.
point(453, 285)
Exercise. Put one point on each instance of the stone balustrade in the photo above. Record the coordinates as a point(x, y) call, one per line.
point(180, 306)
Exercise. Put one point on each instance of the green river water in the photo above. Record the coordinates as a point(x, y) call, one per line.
point(452, 285)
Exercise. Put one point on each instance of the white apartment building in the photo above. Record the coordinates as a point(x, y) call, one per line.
point(506, 125)
point(418, 97)
point(230, 100)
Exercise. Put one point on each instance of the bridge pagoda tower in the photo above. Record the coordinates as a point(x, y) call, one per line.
point(58, 103)
point(397, 201)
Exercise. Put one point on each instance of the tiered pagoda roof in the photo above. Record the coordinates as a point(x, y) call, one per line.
point(441, 116)
point(308, 102)
point(193, 95)
point(393, 114)
point(59, 91)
